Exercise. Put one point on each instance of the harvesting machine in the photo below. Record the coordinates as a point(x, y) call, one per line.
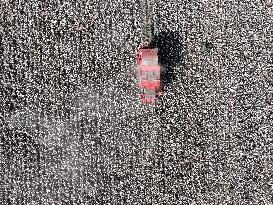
point(148, 67)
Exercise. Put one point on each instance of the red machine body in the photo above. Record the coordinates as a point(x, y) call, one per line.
point(148, 73)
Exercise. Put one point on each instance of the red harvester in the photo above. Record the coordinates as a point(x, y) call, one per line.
point(148, 73)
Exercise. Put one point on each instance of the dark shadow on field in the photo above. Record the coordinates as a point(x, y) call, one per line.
point(169, 44)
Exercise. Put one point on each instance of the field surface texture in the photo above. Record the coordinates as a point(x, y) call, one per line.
point(72, 128)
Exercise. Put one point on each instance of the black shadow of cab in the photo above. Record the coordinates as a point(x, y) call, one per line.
point(170, 52)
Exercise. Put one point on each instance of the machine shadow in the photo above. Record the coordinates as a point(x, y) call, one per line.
point(170, 52)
